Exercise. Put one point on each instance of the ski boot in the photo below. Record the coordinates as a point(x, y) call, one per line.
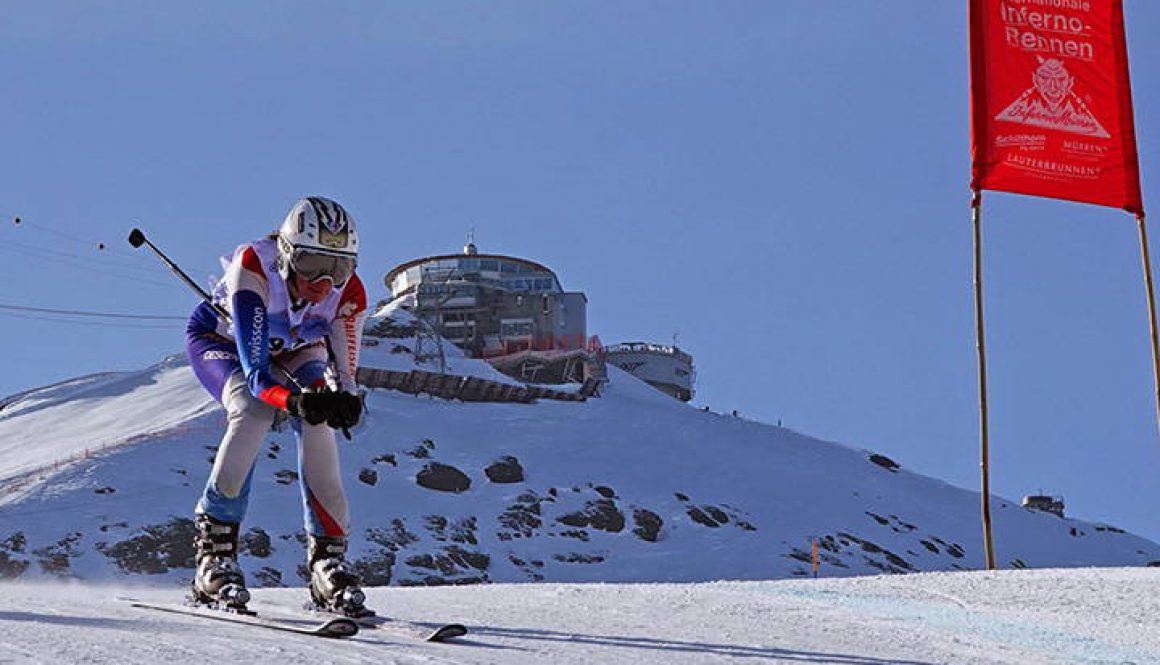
point(218, 581)
point(334, 587)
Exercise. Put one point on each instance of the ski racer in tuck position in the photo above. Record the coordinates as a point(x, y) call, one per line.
point(290, 344)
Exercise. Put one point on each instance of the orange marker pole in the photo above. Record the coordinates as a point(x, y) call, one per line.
point(814, 556)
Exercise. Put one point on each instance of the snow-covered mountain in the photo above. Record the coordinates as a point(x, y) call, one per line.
point(99, 476)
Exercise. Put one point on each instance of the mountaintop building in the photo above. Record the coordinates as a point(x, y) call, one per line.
point(510, 311)
point(663, 366)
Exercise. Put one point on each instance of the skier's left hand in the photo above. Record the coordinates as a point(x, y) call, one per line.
point(347, 412)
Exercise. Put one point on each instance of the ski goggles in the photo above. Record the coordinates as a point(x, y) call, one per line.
point(312, 266)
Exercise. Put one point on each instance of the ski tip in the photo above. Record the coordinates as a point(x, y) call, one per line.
point(339, 627)
point(448, 632)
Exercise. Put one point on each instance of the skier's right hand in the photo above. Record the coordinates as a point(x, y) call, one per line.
point(348, 413)
point(314, 408)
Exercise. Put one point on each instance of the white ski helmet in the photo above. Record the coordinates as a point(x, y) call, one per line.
point(316, 225)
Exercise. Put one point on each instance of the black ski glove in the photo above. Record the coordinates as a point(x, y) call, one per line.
point(348, 413)
point(314, 408)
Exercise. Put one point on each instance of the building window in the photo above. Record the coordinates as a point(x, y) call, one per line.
point(516, 328)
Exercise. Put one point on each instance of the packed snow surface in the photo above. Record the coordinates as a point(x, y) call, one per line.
point(1018, 617)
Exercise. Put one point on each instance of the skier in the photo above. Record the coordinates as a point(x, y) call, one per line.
point(294, 303)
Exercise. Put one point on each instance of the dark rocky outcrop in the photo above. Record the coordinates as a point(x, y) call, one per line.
point(521, 519)
point(160, 548)
point(385, 459)
point(422, 450)
point(394, 538)
point(286, 477)
point(437, 525)
point(884, 559)
point(435, 580)
point(716, 516)
point(454, 565)
point(376, 569)
point(368, 476)
point(530, 568)
point(443, 478)
point(884, 462)
point(605, 491)
point(600, 514)
point(451, 560)
point(827, 549)
point(577, 557)
point(256, 542)
point(505, 470)
point(648, 525)
point(459, 531)
point(901, 526)
point(55, 558)
point(707, 516)
point(267, 577)
point(11, 568)
point(14, 543)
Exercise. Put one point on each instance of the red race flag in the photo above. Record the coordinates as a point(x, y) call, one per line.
point(1051, 102)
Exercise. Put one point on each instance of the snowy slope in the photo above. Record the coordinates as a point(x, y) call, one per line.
point(46, 426)
point(100, 475)
point(1088, 616)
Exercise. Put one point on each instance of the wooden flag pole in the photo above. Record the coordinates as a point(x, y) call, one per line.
point(981, 346)
point(1151, 309)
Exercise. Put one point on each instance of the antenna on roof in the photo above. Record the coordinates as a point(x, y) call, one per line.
point(470, 248)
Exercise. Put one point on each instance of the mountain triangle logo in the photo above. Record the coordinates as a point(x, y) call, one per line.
point(1051, 102)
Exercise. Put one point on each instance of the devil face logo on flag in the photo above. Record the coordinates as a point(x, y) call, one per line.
point(1051, 103)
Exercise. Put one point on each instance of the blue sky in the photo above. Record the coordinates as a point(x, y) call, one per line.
point(783, 185)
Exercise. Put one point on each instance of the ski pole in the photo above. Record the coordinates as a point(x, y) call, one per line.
point(137, 238)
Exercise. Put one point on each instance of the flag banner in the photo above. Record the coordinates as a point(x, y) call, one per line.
point(1051, 102)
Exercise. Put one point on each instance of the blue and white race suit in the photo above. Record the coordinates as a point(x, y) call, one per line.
point(233, 359)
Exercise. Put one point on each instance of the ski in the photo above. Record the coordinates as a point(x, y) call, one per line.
point(416, 630)
point(335, 627)
point(426, 632)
